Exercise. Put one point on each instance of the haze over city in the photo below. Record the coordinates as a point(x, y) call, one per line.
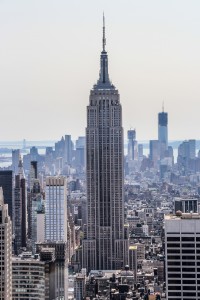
point(99, 150)
point(49, 60)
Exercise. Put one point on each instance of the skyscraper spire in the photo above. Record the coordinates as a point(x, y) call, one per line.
point(104, 38)
point(106, 244)
point(104, 81)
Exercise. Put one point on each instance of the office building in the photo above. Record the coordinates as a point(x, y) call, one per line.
point(68, 152)
point(5, 251)
point(186, 153)
point(133, 260)
point(54, 255)
point(132, 145)
point(80, 153)
point(182, 248)
point(186, 205)
point(163, 132)
point(6, 182)
point(35, 196)
point(34, 155)
point(56, 230)
point(59, 148)
point(33, 174)
point(154, 155)
point(28, 277)
point(79, 285)
point(15, 160)
point(20, 210)
point(37, 225)
point(36, 209)
point(56, 209)
point(192, 148)
point(140, 151)
point(187, 149)
point(105, 246)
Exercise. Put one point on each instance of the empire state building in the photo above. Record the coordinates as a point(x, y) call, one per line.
point(105, 246)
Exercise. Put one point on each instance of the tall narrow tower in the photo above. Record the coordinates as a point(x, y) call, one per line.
point(56, 234)
point(20, 209)
point(163, 132)
point(106, 243)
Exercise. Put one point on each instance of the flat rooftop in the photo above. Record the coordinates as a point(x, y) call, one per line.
point(184, 216)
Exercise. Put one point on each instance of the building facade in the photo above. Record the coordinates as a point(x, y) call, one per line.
point(154, 152)
point(105, 246)
point(20, 210)
point(5, 251)
point(15, 160)
point(56, 232)
point(132, 145)
point(182, 252)
point(28, 278)
point(54, 256)
point(56, 209)
point(7, 184)
point(163, 128)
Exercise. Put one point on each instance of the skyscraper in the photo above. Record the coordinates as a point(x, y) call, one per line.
point(56, 231)
point(154, 152)
point(28, 277)
point(56, 209)
point(20, 209)
point(132, 145)
point(68, 149)
point(106, 243)
point(33, 173)
point(6, 182)
point(163, 132)
point(5, 251)
point(15, 160)
point(182, 244)
point(186, 152)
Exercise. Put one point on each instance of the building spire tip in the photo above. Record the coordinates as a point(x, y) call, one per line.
point(163, 106)
point(104, 38)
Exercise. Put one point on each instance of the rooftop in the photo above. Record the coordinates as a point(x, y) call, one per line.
point(179, 215)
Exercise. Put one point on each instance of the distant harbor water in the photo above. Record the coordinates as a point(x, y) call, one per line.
point(6, 148)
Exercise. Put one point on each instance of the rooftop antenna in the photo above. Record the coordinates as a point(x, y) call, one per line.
point(104, 38)
point(163, 106)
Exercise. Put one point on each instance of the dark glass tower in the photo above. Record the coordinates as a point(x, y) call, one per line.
point(6, 182)
point(162, 127)
point(106, 243)
point(20, 210)
point(163, 132)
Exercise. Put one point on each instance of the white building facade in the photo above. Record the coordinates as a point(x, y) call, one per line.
point(56, 230)
point(56, 209)
point(182, 251)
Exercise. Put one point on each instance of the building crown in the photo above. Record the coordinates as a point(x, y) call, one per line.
point(104, 81)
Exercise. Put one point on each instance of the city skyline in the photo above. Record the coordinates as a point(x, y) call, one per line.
point(89, 220)
point(49, 49)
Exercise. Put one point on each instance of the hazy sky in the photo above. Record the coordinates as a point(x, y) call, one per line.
point(49, 61)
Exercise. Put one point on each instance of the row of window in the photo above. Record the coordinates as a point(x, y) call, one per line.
point(183, 238)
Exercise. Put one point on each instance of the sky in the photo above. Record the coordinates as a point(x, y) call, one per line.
point(50, 55)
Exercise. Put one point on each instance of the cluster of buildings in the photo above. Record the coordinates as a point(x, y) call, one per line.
point(85, 221)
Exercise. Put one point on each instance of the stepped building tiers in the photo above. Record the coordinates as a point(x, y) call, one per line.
point(106, 244)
